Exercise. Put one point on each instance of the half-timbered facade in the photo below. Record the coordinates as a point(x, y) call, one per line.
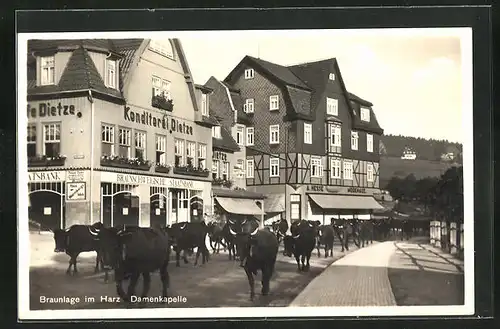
point(315, 145)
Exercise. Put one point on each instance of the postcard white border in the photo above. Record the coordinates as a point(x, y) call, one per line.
point(24, 313)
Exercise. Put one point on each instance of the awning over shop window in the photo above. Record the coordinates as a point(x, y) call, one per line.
point(239, 206)
point(328, 201)
point(274, 203)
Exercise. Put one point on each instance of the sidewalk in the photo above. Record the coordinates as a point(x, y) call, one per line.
point(358, 279)
point(424, 275)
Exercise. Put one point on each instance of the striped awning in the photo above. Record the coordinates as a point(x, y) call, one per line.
point(329, 201)
point(239, 206)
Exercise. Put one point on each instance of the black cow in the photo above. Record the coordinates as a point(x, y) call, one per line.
point(187, 236)
point(280, 227)
point(216, 235)
point(134, 251)
point(365, 232)
point(229, 231)
point(258, 250)
point(381, 228)
point(326, 236)
point(301, 243)
point(78, 239)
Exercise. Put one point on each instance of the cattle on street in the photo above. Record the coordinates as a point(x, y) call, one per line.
point(301, 243)
point(186, 236)
point(326, 236)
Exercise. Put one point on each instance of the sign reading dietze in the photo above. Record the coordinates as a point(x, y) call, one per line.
point(164, 121)
point(50, 110)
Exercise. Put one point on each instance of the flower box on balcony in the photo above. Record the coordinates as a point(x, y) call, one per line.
point(43, 161)
point(165, 169)
point(222, 182)
point(162, 102)
point(191, 171)
point(120, 162)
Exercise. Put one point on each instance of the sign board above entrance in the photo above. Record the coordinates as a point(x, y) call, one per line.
point(46, 176)
point(152, 181)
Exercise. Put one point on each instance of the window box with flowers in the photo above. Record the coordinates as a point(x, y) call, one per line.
point(162, 102)
point(45, 161)
point(191, 171)
point(222, 182)
point(123, 162)
point(162, 168)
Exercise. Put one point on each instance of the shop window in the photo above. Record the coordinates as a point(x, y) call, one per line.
point(124, 137)
point(107, 140)
point(179, 152)
point(52, 139)
point(140, 145)
point(161, 149)
point(31, 141)
point(202, 156)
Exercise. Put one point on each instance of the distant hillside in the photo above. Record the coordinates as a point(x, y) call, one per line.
point(395, 166)
point(425, 149)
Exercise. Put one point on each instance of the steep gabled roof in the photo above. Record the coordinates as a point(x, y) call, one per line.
point(226, 143)
point(372, 125)
point(359, 100)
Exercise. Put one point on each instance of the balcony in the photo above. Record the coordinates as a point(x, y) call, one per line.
point(44, 161)
point(222, 182)
point(191, 171)
point(162, 168)
point(122, 162)
point(162, 102)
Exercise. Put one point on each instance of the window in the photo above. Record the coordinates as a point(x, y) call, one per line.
point(274, 134)
point(31, 141)
point(240, 135)
point(250, 168)
point(274, 103)
point(215, 169)
point(190, 154)
point(161, 149)
point(108, 140)
point(335, 136)
point(163, 47)
point(331, 76)
point(316, 168)
point(161, 87)
point(248, 107)
point(347, 170)
point(249, 73)
point(365, 114)
point(124, 136)
point(179, 152)
point(240, 166)
point(332, 106)
point(140, 145)
point(334, 168)
point(294, 207)
point(354, 140)
point(202, 156)
point(250, 136)
point(111, 73)
point(274, 165)
point(369, 172)
point(369, 142)
point(204, 104)
point(47, 66)
point(216, 132)
point(307, 133)
point(225, 170)
point(52, 139)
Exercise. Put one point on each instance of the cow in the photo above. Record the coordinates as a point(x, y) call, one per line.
point(134, 251)
point(326, 236)
point(258, 250)
point(215, 233)
point(381, 228)
point(78, 239)
point(365, 232)
point(301, 243)
point(229, 231)
point(280, 227)
point(186, 236)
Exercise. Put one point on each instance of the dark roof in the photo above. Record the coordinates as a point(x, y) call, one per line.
point(241, 194)
point(359, 100)
point(203, 88)
point(226, 143)
point(105, 45)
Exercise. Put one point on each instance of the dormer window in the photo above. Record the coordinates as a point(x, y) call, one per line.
point(47, 65)
point(331, 76)
point(162, 47)
point(248, 107)
point(249, 74)
point(216, 132)
point(111, 76)
point(204, 104)
point(365, 114)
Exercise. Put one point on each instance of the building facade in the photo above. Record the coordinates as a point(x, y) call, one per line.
point(118, 130)
point(313, 149)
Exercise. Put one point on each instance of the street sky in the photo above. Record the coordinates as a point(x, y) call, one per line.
point(414, 81)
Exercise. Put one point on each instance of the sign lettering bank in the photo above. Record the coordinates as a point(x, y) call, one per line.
point(164, 121)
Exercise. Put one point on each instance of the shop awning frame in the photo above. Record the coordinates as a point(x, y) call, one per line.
point(352, 202)
point(239, 206)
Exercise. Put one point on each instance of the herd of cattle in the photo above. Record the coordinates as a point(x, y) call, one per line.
point(133, 251)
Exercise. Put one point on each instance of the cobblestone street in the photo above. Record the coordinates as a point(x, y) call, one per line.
point(219, 283)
